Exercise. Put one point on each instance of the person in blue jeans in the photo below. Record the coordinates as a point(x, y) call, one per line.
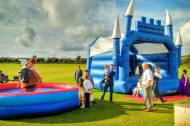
point(109, 84)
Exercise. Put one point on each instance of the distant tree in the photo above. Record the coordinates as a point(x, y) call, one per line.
point(77, 59)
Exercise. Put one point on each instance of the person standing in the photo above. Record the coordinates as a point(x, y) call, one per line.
point(87, 90)
point(110, 84)
point(88, 86)
point(78, 74)
point(184, 84)
point(147, 82)
point(156, 78)
point(81, 93)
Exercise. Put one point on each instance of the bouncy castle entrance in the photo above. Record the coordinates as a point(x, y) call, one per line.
point(154, 54)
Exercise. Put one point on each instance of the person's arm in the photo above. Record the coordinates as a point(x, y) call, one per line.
point(81, 73)
point(111, 75)
point(75, 76)
point(158, 74)
point(149, 78)
point(92, 81)
point(27, 64)
point(148, 83)
point(185, 80)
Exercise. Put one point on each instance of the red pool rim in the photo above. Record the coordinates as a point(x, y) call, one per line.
point(60, 87)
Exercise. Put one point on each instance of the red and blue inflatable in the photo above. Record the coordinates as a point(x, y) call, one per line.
point(48, 98)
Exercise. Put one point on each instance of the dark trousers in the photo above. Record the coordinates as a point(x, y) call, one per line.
point(156, 91)
point(105, 89)
point(87, 97)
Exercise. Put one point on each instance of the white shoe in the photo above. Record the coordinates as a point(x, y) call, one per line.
point(82, 106)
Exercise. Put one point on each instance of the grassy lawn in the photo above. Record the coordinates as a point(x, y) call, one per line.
point(124, 112)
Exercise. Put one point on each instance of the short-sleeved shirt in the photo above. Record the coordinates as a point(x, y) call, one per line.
point(146, 76)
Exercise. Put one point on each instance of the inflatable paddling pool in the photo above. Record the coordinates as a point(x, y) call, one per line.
point(46, 99)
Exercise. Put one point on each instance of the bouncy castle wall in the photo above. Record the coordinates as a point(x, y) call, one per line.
point(97, 67)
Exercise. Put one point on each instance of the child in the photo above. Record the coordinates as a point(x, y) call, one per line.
point(81, 92)
point(137, 70)
point(88, 92)
point(106, 75)
point(137, 88)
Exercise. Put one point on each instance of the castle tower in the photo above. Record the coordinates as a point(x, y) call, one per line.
point(179, 45)
point(129, 15)
point(116, 46)
point(169, 25)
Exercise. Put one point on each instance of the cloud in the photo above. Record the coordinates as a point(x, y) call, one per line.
point(80, 22)
point(78, 38)
point(184, 29)
point(9, 11)
point(27, 37)
point(68, 13)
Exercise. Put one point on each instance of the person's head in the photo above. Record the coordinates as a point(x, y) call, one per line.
point(139, 79)
point(34, 59)
point(80, 82)
point(138, 66)
point(78, 66)
point(105, 66)
point(0, 71)
point(144, 66)
point(86, 73)
point(184, 71)
point(111, 67)
point(149, 66)
point(157, 68)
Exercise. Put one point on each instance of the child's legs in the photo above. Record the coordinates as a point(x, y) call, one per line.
point(83, 101)
point(79, 99)
point(137, 93)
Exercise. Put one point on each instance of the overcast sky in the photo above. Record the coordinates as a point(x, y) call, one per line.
point(64, 28)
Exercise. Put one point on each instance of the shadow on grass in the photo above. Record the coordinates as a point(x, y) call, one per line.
point(140, 106)
point(98, 112)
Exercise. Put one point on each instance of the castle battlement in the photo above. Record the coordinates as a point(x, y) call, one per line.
point(152, 27)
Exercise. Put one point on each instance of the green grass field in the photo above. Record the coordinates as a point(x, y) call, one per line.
point(124, 112)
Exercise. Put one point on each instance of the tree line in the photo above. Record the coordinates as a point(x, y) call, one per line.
point(51, 60)
point(186, 60)
point(77, 60)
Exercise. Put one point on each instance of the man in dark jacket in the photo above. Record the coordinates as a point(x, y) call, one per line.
point(78, 74)
point(110, 84)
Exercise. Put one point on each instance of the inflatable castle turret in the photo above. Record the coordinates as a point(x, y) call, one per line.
point(179, 45)
point(147, 43)
point(116, 45)
point(129, 16)
point(169, 25)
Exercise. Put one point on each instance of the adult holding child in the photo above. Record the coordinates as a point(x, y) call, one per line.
point(109, 83)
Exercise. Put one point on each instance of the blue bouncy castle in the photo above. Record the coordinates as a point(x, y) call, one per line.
point(147, 43)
